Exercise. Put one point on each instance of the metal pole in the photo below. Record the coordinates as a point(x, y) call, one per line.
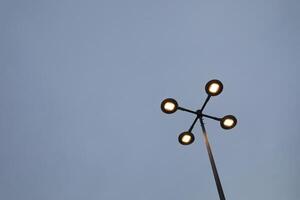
point(211, 117)
point(212, 162)
point(191, 128)
point(186, 110)
point(205, 102)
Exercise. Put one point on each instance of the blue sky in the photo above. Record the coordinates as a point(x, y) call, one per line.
point(81, 84)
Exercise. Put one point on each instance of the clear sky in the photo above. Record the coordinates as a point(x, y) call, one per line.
point(81, 84)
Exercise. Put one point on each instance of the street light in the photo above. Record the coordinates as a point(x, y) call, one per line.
point(228, 122)
point(186, 138)
point(212, 88)
point(169, 105)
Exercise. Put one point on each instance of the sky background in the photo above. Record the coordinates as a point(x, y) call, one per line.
point(81, 84)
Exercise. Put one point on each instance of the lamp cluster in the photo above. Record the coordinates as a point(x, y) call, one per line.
point(212, 88)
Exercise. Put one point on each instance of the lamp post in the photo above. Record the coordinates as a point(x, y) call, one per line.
point(212, 88)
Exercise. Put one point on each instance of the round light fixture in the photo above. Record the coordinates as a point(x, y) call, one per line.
point(214, 87)
point(169, 105)
point(186, 138)
point(228, 122)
